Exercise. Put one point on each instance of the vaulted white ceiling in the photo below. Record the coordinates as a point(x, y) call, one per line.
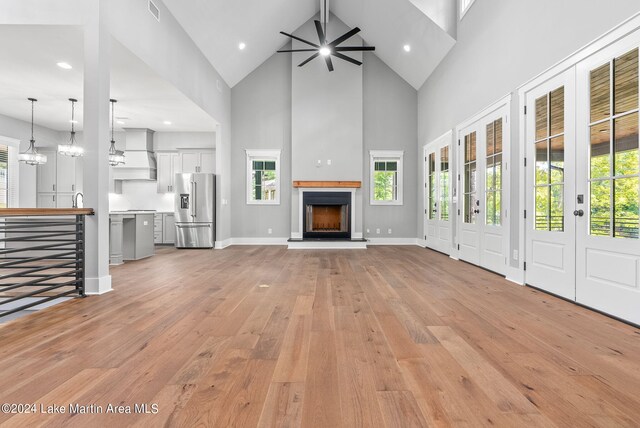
point(218, 26)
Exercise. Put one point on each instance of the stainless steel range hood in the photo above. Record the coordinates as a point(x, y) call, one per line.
point(140, 161)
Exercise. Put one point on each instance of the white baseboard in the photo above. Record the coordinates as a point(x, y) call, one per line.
point(515, 274)
point(97, 286)
point(219, 245)
point(259, 241)
point(421, 243)
point(393, 241)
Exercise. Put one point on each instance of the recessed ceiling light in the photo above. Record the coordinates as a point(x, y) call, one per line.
point(167, 122)
point(64, 65)
point(325, 51)
point(407, 48)
point(241, 46)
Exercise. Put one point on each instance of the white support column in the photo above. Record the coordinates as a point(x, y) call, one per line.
point(96, 142)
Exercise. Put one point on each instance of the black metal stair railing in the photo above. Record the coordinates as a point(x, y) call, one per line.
point(41, 259)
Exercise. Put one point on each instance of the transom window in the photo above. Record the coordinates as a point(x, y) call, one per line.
point(263, 177)
point(549, 167)
point(493, 190)
point(614, 156)
point(386, 177)
point(464, 6)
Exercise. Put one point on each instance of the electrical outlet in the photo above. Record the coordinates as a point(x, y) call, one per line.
point(329, 162)
point(318, 163)
point(389, 231)
point(515, 254)
point(368, 231)
point(269, 231)
point(378, 231)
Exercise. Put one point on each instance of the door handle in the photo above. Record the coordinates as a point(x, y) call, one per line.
point(578, 213)
point(476, 211)
point(193, 202)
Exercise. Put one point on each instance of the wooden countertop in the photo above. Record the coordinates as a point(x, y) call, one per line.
point(22, 212)
point(328, 184)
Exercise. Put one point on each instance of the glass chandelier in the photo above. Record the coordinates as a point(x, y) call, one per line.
point(31, 155)
point(72, 149)
point(116, 157)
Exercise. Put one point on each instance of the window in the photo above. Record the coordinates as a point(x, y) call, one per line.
point(614, 158)
point(444, 183)
point(464, 6)
point(263, 177)
point(386, 177)
point(471, 202)
point(9, 172)
point(493, 197)
point(549, 142)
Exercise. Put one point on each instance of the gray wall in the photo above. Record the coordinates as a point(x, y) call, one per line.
point(327, 112)
point(261, 119)
point(501, 45)
point(390, 123)
point(261, 107)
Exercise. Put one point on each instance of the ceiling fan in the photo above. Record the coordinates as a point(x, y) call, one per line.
point(325, 48)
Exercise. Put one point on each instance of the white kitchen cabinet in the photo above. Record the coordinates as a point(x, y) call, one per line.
point(169, 229)
point(168, 165)
point(197, 161)
point(57, 181)
point(47, 173)
point(66, 174)
point(46, 200)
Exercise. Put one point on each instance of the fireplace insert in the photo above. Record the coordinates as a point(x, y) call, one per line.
point(327, 215)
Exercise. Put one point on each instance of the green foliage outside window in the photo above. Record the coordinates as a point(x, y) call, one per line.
point(385, 180)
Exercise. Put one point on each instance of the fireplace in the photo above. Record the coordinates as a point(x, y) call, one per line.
point(327, 215)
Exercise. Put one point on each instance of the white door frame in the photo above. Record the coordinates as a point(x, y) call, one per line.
point(446, 138)
point(503, 103)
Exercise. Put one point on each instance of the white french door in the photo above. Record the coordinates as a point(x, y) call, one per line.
point(583, 182)
point(482, 154)
point(550, 175)
point(437, 173)
point(607, 244)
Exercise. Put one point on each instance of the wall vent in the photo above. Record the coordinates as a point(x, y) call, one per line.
point(154, 10)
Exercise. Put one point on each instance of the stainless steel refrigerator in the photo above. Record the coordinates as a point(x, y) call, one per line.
point(195, 210)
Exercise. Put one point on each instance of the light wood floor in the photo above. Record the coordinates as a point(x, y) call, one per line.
point(390, 336)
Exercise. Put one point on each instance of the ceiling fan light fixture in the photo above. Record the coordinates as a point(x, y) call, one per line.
point(325, 51)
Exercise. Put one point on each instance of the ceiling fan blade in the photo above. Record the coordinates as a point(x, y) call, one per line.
point(354, 48)
point(344, 37)
point(309, 59)
point(329, 63)
point(321, 35)
point(346, 58)
point(299, 39)
point(297, 50)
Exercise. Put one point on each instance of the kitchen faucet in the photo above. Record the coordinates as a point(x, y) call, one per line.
point(75, 199)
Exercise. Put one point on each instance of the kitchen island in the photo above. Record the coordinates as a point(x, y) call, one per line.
point(130, 236)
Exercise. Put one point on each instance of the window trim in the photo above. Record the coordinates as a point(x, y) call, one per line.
point(13, 191)
point(273, 154)
point(464, 10)
point(393, 155)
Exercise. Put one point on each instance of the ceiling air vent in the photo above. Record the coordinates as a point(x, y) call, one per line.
point(154, 10)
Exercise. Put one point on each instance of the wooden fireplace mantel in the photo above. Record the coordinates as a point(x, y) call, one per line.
point(336, 184)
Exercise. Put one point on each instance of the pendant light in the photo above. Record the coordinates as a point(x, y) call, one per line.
point(72, 149)
point(116, 157)
point(31, 156)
